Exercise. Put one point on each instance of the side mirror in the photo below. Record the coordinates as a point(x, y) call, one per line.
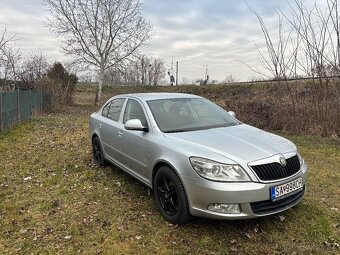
point(232, 114)
point(135, 124)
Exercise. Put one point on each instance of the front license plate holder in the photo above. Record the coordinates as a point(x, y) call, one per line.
point(286, 189)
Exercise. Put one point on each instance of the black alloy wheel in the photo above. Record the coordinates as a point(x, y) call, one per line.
point(170, 196)
point(167, 196)
point(97, 152)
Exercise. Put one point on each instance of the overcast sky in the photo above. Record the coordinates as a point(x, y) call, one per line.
point(220, 34)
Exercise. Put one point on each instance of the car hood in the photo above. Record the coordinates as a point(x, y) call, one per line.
point(240, 143)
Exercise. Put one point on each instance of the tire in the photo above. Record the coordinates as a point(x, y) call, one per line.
point(97, 152)
point(170, 196)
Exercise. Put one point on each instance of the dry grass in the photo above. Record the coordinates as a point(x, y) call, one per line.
point(267, 106)
point(53, 200)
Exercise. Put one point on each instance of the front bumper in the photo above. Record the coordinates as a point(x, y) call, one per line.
point(253, 197)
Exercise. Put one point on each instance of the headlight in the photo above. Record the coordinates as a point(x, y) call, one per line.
point(215, 171)
point(300, 159)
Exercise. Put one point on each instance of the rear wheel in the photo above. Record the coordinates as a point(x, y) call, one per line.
point(97, 152)
point(170, 196)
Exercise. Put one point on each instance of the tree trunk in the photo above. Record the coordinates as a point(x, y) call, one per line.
point(100, 86)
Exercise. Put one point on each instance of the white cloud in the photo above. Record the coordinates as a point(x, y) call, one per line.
point(197, 33)
point(26, 20)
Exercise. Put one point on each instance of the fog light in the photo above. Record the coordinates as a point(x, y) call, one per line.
point(225, 208)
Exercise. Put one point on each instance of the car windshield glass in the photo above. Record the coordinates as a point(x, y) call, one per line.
point(188, 114)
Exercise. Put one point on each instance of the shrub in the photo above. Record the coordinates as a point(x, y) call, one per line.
point(59, 83)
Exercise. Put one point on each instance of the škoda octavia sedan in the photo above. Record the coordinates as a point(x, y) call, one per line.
point(197, 158)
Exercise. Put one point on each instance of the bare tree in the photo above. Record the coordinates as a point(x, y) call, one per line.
point(142, 71)
point(229, 79)
point(144, 64)
point(33, 68)
point(158, 71)
point(309, 48)
point(101, 33)
point(5, 40)
point(10, 57)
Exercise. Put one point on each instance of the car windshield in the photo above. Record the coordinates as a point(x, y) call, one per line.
point(188, 114)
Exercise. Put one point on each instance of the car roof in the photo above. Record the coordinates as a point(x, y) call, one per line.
point(156, 96)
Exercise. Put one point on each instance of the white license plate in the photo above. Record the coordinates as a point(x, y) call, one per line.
point(284, 190)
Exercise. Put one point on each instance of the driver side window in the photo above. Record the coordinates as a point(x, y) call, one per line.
point(134, 110)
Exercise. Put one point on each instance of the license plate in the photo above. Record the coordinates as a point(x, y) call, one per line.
point(284, 190)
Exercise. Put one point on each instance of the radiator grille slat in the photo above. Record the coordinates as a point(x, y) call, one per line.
point(274, 171)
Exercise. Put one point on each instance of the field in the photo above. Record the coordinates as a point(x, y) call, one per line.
point(266, 105)
point(54, 200)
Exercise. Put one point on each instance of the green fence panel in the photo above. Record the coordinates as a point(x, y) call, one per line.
point(36, 101)
point(25, 105)
point(19, 106)
point(47, 102)
point(9, 109)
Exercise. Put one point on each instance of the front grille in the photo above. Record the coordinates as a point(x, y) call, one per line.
point(268, 206)
point(274, 171)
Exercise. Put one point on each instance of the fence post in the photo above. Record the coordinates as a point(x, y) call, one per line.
point(1, 112)
point(41, 101)
point(18, 108)
point(31, 110)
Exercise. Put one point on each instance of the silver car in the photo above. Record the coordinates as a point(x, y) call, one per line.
point(198, 159)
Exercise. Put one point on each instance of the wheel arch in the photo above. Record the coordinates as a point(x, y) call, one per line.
point(161, 163)
point(158, 166)
point(94, 135)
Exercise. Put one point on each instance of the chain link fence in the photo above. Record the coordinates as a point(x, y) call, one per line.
point(19, 106)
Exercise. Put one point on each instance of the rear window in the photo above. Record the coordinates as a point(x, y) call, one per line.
point(113, 109)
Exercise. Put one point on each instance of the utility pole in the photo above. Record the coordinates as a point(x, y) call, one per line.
point(171, 72)
point(172, 65)
point(206, 76)
point(206, 72)
point(176, 73)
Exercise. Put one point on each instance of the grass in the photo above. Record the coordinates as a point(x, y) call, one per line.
point(54, 200)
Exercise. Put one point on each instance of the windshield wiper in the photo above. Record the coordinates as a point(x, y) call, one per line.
point(179, 130)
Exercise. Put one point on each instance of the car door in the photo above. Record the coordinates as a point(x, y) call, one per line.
point(109, 126)
point(134, 144)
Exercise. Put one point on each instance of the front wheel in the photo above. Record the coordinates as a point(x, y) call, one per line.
point(170, 196)
point(97, 152)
